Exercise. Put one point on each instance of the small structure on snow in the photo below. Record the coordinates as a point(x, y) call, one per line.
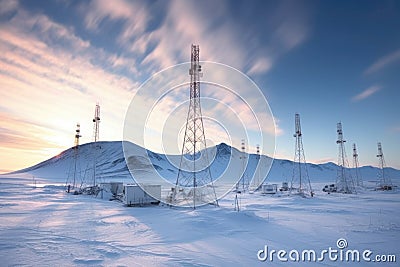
point(136, 195)
point(330, 188)
point(269, 189)
point(284, 187)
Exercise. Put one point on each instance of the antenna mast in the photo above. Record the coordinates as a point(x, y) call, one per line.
point(300, 179)
point(356, 165)
point(257, 170)
point(194, 183)
point(96, 122)
point(344, 181)
point(76, 148)
point(96, 129)
point(77, 135)
point(243, 159)
point(385, 182)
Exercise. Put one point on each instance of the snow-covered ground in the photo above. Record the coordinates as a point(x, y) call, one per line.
point(42, 225)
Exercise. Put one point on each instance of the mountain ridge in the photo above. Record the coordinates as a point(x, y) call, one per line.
point(111, 163)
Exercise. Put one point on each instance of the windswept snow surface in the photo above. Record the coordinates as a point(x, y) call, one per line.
point(44, 226)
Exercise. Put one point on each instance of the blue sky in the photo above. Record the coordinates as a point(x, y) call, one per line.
point(330, 61)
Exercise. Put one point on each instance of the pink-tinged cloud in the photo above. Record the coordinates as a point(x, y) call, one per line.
point(367, 93)
point(261, 65)
point(396, 129)
point(7, 6)
point(383, 62)
point(291, 33)
point(134, 15)
point(100, 9)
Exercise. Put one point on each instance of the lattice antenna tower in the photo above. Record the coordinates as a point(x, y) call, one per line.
point(96, 134)
point(73, 166)
point(344, 181)
point(356, 165)
point(96, 123)
point(300, 179)
point(243, 160)
point(194, 184)
point(257, 179)
point(241, 182)
point(77, 136)
point(384, 180)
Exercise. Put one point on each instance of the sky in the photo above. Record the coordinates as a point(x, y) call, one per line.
point(329, 61)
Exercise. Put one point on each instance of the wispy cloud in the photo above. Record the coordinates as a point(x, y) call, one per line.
point(293, 30)
point(395, 129)
point(261, 65)
point(133, 19)
point(384, 62)
point(367, 93)
point(132, 13)
point(8, 6)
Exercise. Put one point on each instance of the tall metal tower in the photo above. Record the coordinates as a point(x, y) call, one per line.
point(344, 181)
point(241, 182)
point(384, 182)
point(75, 159)
point(359, 181)
point(194, 183)
point(257, 179)
point(96, 124)
point(77, 136)
point(300, 180)
point(243, 160)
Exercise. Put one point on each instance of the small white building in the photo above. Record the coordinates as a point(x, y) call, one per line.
point(141, 195)
point(111, 190)
point(269, 188)
point(116, 188)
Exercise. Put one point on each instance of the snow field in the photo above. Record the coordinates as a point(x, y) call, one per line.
point(44, 226)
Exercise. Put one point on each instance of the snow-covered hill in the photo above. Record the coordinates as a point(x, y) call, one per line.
point(111, 165)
